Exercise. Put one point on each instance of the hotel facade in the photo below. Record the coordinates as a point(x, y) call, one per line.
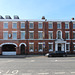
point(21, 36)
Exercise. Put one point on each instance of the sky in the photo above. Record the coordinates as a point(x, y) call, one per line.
point(35, 9)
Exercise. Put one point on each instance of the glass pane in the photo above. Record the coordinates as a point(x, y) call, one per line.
point(5, 35)
point(40, 46)
point(22, 25)
point(50, 26)
point(15, 25)
point(5, 25)
point(14, 35)
point(31, 26)
point(22, 35)
point(40, 26)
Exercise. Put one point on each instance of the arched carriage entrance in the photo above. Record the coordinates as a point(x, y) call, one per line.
point(8, 48)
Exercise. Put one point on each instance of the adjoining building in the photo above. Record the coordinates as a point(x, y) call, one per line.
point(21, 36)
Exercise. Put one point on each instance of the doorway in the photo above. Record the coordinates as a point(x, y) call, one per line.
point(22, 49)
point(59, 47)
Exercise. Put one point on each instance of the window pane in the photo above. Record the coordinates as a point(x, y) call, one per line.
point(40, 46)
point(74, 47)
point(31, 35)
point(5, 25)
point(73, 35)
point(31, 26)
point(66, 26)
point(22, 25)
point(50, 35)
point(31, 46)
point(67, 35)
point(40, 35)
point(22, 35)
point(58, 26)
point(73, 26)
point(50, 26)
point(14, 35)
point(67, 46)
point(5, 35)
point(50, 46)
point(40, 26)
point(59, 34)
point(14, 25)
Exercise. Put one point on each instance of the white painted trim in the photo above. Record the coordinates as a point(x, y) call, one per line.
point(68, 25)
point(14, 31)
point(22, 22)
point(31, 31)
point(67, 43)
point(5, 31)
point(67, 31)
point(40, 31)
point(50, 31)
point(31, 22)
point(57, 34)
point(41, 42)
point(73, 31)
point(21, 44)
point(40, 22)
point(73, 42)
point(8, 43)
point(22, 31)
point(31, 42)
point(50, 42)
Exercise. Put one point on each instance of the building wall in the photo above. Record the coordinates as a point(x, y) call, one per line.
point(36, 40)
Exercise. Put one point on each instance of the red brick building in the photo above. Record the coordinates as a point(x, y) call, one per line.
point(19, 36)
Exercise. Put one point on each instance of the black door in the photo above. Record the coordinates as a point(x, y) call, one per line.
point(59, 47)
point(22, 49)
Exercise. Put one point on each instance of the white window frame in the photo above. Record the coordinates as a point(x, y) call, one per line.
point(57, 34)
point(3, 25)
point(24, 32)
point(29, 25)
point(69, 34)
point(41, 50)
point(50, 23)
point(38, 34)
point(69, 47)
point(22, 27)
point(50, 50)
point(68, 25)
point(12, 34)
point(52, 34)
point(32, 50)
point(38, 25)
point(12, 25)
point(74, 44)
point(60, 25)
point(73, 24)
point(29, 34)
point(3, 35)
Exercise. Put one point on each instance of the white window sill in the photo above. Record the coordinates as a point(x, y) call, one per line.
point(40, 50)
point(50, 50)
point(31, 50)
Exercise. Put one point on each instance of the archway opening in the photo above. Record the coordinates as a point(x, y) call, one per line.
point(8, 49)
point(22, 49)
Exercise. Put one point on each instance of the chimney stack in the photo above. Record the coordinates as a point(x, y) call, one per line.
point(43, 17)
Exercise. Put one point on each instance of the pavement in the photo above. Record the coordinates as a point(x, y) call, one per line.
point(38, 65)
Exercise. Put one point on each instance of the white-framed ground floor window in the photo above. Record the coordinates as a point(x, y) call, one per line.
point(50, 46)
point(31, 47)
point(40, 47)
point(67, 47)
point(74, 47)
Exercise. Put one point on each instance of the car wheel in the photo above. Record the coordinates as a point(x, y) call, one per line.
point(64, 55)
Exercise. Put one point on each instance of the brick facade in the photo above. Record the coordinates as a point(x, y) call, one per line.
point(45, 39)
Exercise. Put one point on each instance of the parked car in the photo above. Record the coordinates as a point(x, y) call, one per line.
point(57, 53)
